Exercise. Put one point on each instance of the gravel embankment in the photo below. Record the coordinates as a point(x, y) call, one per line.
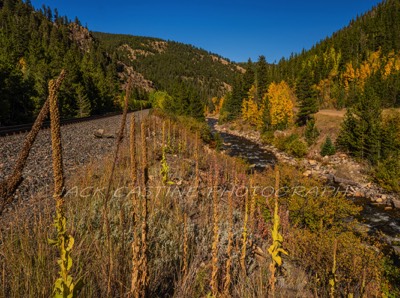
point(80, 146)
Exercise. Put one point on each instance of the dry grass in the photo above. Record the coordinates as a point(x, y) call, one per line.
point(181, 225)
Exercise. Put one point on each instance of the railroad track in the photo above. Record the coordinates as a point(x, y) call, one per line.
point(17, 129)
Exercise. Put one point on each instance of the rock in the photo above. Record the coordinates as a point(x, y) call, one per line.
point(99, 133)
point(279, 133)
point(307, 173)
point(359, 194)
point(343, 155)
point(387, 208)
point(323, 178)
point(396, 203)
point(312, 162)
point(384, 197)
point(368, 185)
point(379, 200)
point(397, 250)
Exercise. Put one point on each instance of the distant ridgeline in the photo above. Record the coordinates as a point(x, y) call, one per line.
point(167, 64)
point(36, 44)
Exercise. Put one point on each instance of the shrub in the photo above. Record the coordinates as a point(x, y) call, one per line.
point(387, 174)
point(297, 147)
point(328, 148)
point(223, 117)
point(311, 133)
point(267, 137)
point(292, 145)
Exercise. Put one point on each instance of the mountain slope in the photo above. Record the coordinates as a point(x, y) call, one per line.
point(36, 44)
point(168, 63)
point(364, 52)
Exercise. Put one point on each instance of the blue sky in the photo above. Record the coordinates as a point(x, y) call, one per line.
point(235, 29)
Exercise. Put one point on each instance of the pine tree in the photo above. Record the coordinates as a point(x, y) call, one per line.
point(196, 106)
point(261, 77)
point(248, 77)
point(328, 148)
point(361, 133)
point(306, 96)
point(82, 101)
point(233, 101)
point(311, 133)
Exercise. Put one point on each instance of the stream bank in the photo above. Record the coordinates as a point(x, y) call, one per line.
point(380, 214)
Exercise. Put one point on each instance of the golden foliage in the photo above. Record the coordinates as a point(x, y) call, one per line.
point(392, 65)
point(251, 111)
point(375, 61)
point(349, 75)
point(218, 103)
point(324, 89)
point(280, 104)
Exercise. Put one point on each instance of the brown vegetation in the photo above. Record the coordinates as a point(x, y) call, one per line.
point(185, 239)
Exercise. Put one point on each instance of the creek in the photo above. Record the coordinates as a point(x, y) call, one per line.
point(375, 218)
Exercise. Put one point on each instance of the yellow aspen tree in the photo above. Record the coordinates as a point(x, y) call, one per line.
point(349, 76)
point(251, 111)
point(280, 104)
point(217, 102)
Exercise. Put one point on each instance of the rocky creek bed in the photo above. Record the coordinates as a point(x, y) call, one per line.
point(380, 212)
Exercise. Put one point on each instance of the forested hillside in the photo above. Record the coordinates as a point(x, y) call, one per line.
point(366, 52)
point(357, 68)
point(34, 47)
point(169, 64)
point(36, 44)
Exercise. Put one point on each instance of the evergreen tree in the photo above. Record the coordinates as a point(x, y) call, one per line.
point(360, 134)
point(261, 77)
point(311, 133)
point(233, 101)
point(33, 50)
point(83, 103)
point(306, 96)
point(248, 77)
point(328, 148)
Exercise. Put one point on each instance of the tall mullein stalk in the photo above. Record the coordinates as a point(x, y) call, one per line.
point(119, 140)
point(275, 250)
point(135, 210)
point(169, 134)
point(228, 266)
point(252, 205)
point(132, 149)
point(9, 186)
point(245, 235)
point(64, 286)
point(364, 277)
point(332, 280)
point(163, 135)
point(174, 134)
point(185, 246)
point(196, 157)
point(185, 141)
point(214, 274)
point(143, 261)
point(154, 136)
